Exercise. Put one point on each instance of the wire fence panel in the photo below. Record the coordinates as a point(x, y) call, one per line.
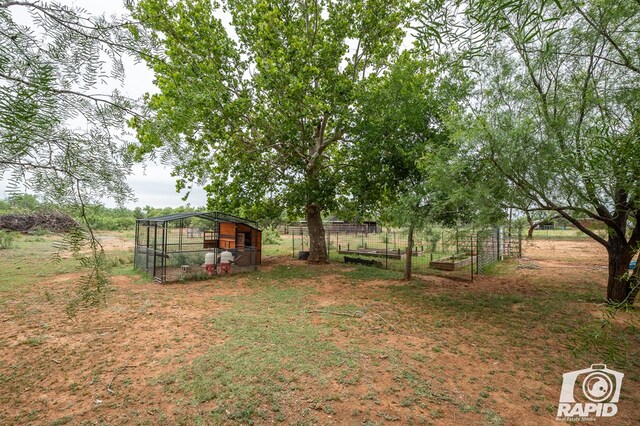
point(176, 249)
point(460, 253)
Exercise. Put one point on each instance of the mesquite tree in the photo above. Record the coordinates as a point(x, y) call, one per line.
point(61, 114)
point(257, 107)
point(556, 113)
point(59, 122)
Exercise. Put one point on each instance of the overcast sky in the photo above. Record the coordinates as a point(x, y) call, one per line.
point(151, 182)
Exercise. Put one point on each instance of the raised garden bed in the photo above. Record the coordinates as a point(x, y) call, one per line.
point(389, 254)
point(452, 263)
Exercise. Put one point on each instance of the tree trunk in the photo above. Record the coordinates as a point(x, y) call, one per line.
point(317, 243)
point(531, 225)
point(635, 288)
point(620, 255)
point(409, 253)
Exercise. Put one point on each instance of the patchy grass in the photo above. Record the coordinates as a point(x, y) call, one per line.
point(269, 340)
point(271, 347)
point(304, 344)
point(29, 259)
point(291, 272)
point(368, 273)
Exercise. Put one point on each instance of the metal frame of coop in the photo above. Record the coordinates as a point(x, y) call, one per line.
point(172, 247)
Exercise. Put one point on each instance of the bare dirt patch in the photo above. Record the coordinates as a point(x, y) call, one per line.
point(434, 351)
point(106, 359)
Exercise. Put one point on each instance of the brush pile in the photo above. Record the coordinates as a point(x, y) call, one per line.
point(52, 222)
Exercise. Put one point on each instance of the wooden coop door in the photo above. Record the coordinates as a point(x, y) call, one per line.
point(256, 241)
point(243, 237)
point(227, 235)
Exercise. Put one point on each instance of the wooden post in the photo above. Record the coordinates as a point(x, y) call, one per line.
point(386, 252)
point(471, 257)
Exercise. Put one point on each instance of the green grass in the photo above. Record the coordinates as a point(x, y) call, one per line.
point(563, 234)
point(29, 260)
point(282, 248)
point(290, 272)
point(269, 340)
point(367, 273)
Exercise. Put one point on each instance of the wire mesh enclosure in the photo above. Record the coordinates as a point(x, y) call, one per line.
point(456, 252)
point(173, 247)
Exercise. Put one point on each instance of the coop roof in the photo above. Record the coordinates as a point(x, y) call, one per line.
point(213, 216)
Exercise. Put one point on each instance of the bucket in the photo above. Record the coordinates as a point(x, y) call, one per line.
point(303, 255)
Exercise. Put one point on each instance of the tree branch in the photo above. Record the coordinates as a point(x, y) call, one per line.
point(93, 98)
point(627, 62)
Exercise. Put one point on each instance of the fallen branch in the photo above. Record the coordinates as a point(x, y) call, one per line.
point(115, 374)
point(390, 325)
point(356, 314)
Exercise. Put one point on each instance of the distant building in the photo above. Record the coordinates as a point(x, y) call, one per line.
point(333, 226)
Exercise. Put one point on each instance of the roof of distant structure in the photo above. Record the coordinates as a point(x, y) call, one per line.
point(213, 216)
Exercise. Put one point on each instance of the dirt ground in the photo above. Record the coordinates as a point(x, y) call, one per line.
point(474, 363)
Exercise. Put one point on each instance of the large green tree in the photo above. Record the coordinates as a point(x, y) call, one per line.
point(557, 114)
point(258, 107)
point(400, 144)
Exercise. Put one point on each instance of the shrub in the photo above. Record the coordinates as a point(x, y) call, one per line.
point(6, 240)
point(271, 236)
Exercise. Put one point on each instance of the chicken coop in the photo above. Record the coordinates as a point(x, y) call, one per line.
point(173, 247)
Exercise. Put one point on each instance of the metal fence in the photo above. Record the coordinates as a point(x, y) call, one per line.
point(461, 253)
point(173, 251)
point(333, 227)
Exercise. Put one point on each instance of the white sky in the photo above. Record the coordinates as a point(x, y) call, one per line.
point(151, 183)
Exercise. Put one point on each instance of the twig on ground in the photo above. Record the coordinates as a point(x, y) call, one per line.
point(390, 325)
point(356, 314)
point(115, 374)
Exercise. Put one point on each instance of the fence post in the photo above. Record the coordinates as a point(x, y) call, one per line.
point(519, 242)
point(457, 242)
point(155, 244)
point(472, 257)
point(478, 253)
point(302, 238)
point(386, 251)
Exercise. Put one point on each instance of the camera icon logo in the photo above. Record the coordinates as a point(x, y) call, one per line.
point(600, 391)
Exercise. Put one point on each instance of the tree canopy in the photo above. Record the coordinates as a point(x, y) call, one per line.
point(58, 130)
point(257, 107)
point(556, 114)
point(306, 106)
